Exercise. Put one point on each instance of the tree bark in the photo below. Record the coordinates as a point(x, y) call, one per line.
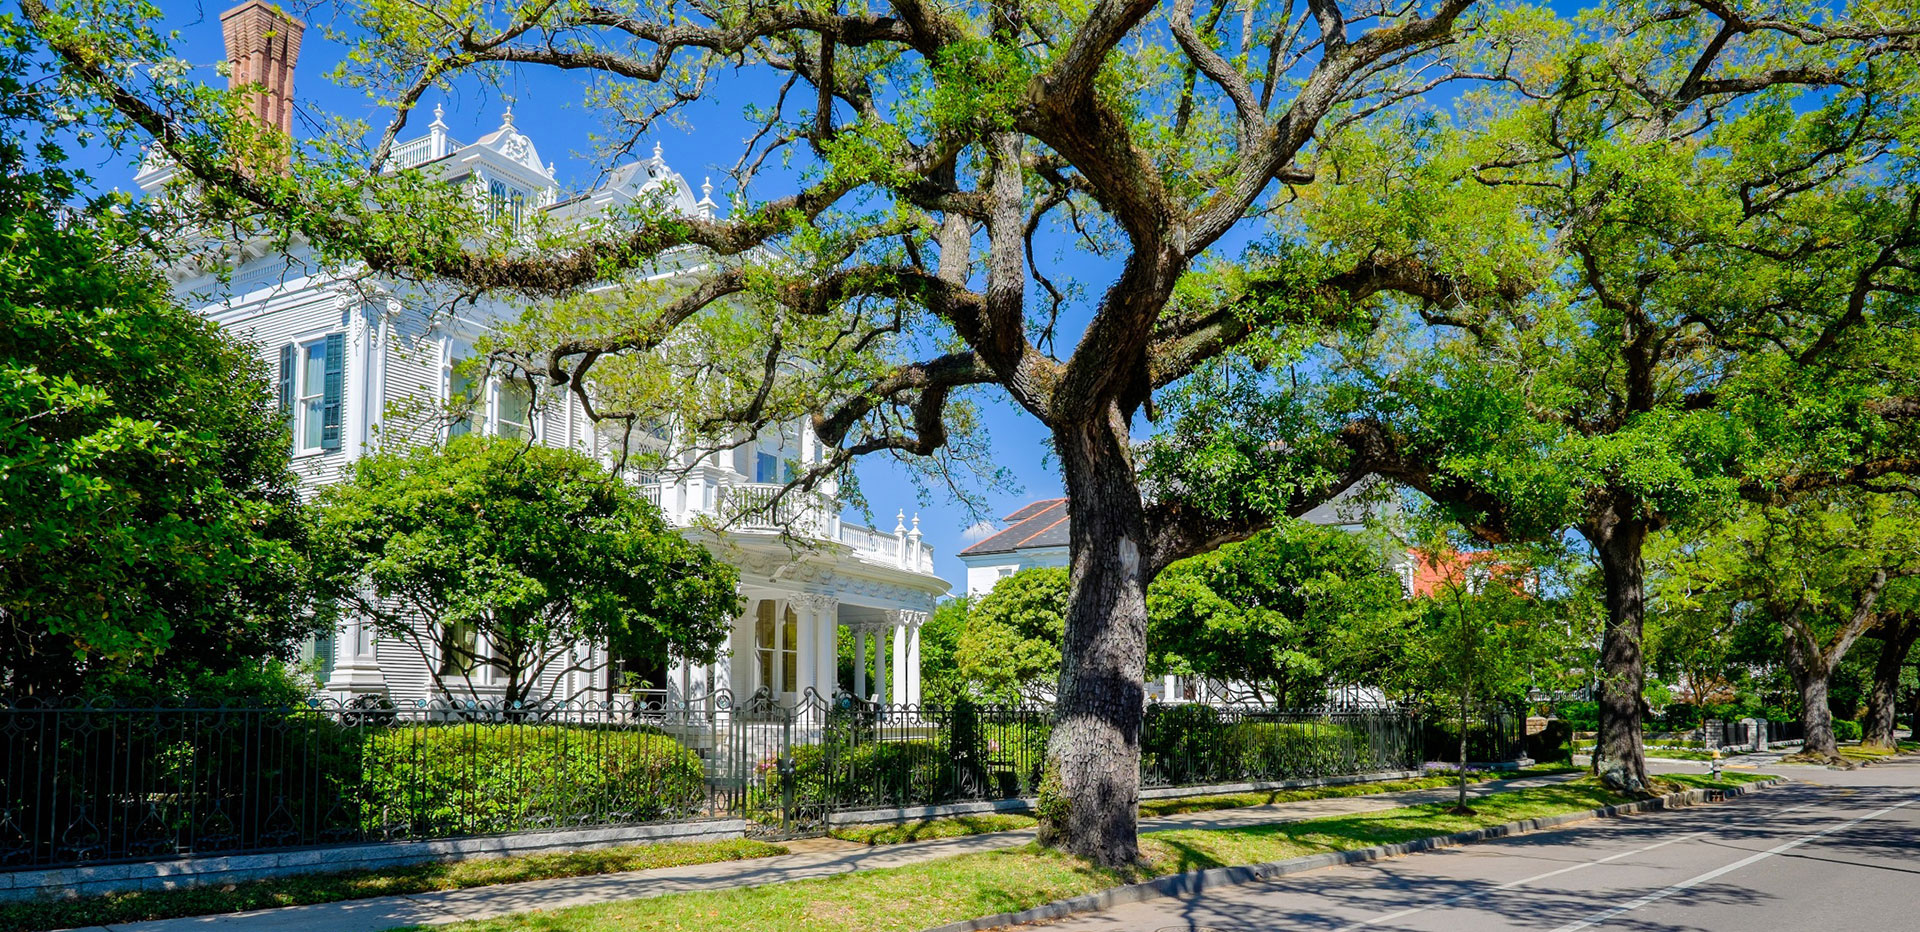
point(1619, 753)
point(1810, 675)
point(1897, 635)
point(1095, 749)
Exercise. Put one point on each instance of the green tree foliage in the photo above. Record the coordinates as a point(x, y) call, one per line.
point(1724, 245)
point(1481, 642)
point(1010, 649)
point(1286, 612)
point(148, 524)
point(525, 551)
point(895, 279)
point(1823, 571)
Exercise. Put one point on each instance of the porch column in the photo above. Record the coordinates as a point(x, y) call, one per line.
point(803, 659)
point(827, 642)
point(899, 658)
point(356, 669)
point(913, 657)
point(880, 665)
point(860, 663)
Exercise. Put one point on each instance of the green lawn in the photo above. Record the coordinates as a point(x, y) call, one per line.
point(354, 885)
point(967, 886)
point(975, 825)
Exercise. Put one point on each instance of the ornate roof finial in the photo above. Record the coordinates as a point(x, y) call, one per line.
point(656, 152)
point(706, 189)
point(900, 523)
point(506, 119)
point(916, 525)
point(439, 117)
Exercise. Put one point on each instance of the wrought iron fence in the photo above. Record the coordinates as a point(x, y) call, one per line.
point(94, 783)
point(1494, 735)
point(84, 783)
point(1186, 745)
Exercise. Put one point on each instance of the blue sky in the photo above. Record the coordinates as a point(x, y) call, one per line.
point(547, 108)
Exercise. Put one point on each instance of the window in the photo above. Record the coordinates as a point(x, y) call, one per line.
point(311, 382)
point(459, 649)
point(513, 412)
point(505, 202)
point(1006, 571)
point(461, 399)
point(776, 647)
point(765, 467)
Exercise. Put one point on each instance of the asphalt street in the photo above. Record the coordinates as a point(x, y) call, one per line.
point(1830, 850)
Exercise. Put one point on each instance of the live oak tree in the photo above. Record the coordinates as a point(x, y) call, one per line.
point(1729, 243)
point(1826, 570)
point(927, 149)
point(931, 152)
point(1286, 612)
point(1897, 629)
point(495, 554)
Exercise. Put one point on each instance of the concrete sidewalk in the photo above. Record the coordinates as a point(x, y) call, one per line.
point(387, 912)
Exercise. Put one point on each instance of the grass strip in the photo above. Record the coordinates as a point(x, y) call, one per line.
point(36, 915)
point(913, 897)
point(958, 826)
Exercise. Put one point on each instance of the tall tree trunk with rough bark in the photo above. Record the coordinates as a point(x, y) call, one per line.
point(1810, 674)
point(1897, 634)
point(1095, 750)
point(1619, 753)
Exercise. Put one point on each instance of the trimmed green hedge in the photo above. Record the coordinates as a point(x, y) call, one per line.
point(1844, 730)
point(479, 779)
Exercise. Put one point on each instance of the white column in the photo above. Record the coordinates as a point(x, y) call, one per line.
point(899, 676)
point(880, 665)
point(805, 664)
point(913, 658)
point(860, 663)
point(827, 639)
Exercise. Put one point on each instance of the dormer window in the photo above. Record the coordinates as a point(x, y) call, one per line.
point(505, 202)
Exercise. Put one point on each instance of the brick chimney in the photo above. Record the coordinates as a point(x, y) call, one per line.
point(262, 45)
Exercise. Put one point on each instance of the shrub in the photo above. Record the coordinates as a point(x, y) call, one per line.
point(472, 779)
point(1582, 716)
point(1844, 730)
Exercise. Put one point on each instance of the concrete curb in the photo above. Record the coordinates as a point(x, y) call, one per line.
point(1198, 881)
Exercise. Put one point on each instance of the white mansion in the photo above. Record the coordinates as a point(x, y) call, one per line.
point(353, 355)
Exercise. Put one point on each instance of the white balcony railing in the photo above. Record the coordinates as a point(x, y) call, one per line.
point(761, 506)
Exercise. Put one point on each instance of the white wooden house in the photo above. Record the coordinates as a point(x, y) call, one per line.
point(364, 365)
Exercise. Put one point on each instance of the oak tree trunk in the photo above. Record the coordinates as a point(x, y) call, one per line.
point(1095, 750)
point(1810, 679)
point(1883, 698)
point(1619, 753)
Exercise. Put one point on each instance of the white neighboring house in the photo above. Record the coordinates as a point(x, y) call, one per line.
point(353, 354)
point(1036, 536)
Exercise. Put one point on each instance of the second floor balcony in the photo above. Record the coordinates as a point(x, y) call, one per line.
point(761, 507)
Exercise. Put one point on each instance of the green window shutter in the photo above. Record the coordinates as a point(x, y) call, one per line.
point(335, 385)
point(287, 353)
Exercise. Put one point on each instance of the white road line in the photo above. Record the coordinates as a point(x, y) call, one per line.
point(1695, 881)
point(1449, 901)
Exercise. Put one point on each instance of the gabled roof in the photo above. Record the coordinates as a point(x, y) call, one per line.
point(1041, 524)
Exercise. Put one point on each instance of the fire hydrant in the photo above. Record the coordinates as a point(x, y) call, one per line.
point(1716, 765)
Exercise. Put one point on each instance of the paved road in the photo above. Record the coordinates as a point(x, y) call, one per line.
point(1832, 850)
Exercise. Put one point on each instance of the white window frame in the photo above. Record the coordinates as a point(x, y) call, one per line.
point(305, 395)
